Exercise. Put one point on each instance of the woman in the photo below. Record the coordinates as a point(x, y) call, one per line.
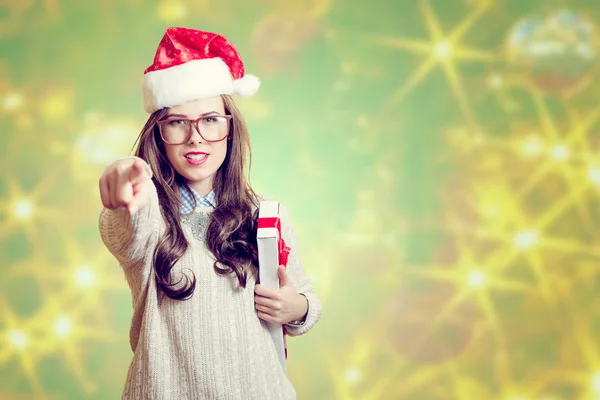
point(180, 218)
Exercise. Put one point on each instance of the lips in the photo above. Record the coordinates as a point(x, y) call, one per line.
point(196, 157)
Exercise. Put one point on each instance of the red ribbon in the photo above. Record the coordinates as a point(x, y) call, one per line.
point(274, 222)
point(284, 252)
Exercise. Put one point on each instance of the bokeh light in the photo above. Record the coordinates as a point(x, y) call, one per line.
point(440, 161)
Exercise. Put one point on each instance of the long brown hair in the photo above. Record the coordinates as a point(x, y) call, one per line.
point(231, 234)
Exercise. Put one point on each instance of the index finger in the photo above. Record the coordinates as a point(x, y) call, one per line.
point(138, 172)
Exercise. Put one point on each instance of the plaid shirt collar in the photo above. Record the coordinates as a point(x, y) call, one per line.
point(187, 200)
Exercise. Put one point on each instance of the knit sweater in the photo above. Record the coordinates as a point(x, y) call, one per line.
point(213, 345)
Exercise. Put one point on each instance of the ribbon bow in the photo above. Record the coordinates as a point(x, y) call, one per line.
point(284, 251)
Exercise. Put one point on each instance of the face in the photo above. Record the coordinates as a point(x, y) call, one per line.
point(197, 161)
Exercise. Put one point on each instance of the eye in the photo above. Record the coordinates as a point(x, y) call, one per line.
point(211, 120)
point(175, 122)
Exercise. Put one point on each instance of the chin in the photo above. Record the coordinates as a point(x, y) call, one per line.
point(197, 176)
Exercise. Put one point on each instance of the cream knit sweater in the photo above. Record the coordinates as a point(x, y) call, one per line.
point(212, 346)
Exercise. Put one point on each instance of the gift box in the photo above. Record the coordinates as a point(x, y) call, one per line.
point(272, 252)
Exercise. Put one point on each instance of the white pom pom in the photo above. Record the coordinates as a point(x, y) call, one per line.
point(247, 85)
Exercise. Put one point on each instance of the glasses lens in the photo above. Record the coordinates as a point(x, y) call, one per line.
point(213, 127)
point(175, 131)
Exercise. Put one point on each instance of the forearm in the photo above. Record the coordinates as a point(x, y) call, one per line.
point(128, 236)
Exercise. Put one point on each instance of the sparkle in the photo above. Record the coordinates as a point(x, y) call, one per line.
point(84, 276)
point(353, 375)
point(18, 339)
point(62, 326)
point(560, 153)
point(476, 278)
point(595, 382)
point(22, 209)
point(594, 175)
point(526, 239)
point(442, 49)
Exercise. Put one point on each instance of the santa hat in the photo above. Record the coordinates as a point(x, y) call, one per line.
point(191, 65)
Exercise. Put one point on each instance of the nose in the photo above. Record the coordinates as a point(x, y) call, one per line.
point(195, 137)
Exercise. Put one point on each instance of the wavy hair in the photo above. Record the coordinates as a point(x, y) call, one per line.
point(231, 234)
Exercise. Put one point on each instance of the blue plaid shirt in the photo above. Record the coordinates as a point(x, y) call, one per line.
point(187, 200)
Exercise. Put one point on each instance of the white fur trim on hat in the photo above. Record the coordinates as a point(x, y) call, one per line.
point(247, 85)
point(194, 80)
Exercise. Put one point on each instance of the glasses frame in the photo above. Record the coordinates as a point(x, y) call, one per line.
point(194, 123)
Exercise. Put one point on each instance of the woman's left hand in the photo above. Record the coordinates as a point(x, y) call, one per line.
point(282, 305)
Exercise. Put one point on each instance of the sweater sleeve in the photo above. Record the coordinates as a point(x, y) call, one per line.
point(129, 237)
point(298, 277)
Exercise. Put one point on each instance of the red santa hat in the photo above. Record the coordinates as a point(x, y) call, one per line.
point(191, 65)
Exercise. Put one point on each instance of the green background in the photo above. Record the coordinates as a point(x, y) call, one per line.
point(442, 174)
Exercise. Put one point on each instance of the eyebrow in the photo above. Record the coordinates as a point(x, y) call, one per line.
point(185, 116)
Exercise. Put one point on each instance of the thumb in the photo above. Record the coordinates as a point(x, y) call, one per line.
point(283, 278)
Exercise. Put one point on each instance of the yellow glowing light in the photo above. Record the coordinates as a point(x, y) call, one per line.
point(532, 147)
point(171, 11)
point(595, 382)
point(62, 326)
point(476, 278)
point(22, 209)
point(57, 105)
point(12, 101)
point(353, 375)
point(526, 239)
point(442, 49)
point(594, 175)
point(85, 276)
point(560, 152)
point(18, 339)
point(495, 81)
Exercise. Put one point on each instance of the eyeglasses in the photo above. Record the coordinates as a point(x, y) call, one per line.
point(177, 130)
